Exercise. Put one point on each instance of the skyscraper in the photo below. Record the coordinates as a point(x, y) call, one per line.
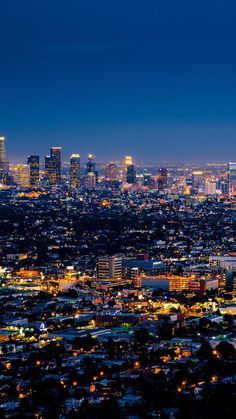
point(232, 178)
point(90, 165)
point(90, 180)
point(131, 174)
point(33, 162)
point(4, 163)
point(50, 170)
point(2, 149)
point(56, 158)
point(197, 180)
point(128, 161)
point(162, 178)
point(75, 170)
point(22, 175)
point(111, 172)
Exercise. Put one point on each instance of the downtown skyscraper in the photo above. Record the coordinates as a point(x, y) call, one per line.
point(53, 166)
point(75, 170)
point(33, 162)
point(4, 163)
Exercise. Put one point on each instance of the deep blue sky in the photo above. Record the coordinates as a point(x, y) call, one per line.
point(154, 78)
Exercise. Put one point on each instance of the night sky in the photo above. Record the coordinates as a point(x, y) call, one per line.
point(151, 78)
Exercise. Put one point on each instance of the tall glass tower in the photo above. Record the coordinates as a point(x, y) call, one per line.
point(4, 163)
point(56, 157)
point(33, 162)
point(75, 170)
point(232, 178)
point(2, 150)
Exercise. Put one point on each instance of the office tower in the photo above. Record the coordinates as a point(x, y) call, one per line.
point(111, 172)
point(50, 170)
point(232, 178)
point(4, 163)
point(109, 268)
point(75, 170)
point(148, 180)
point(21, 175)
point(162, 178)
point(128, 161)
point(56, 155)
point(2, 149)
point(90, 180)
point(90, 165)
point(131, 175)
point(210, 188)
point(33, 162)
point(197, 180)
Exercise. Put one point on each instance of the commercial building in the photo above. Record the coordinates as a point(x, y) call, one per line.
point(162, 178)
point(109, 268)
point(75, 170)
point(4, 163)
point(166, 283)
point(21, 175)
point(232, 178)
point(33, 162)
point(111, 172)
point(56, 155)
point(131, 175)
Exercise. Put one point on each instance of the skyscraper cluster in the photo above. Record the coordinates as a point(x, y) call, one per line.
point(198, 182)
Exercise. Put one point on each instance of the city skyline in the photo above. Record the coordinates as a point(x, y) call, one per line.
point(142, 78)
point(12, 157)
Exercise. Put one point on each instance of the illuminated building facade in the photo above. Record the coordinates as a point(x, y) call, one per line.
point(128, 161)
point(210, 188)
point(33, 162)
point(162, 178)
point(4, 164)
point(90, 166)
point(90, 180)
point(50, 170)
point(111, 172)
point(197, 180)
point(22, 175)
point(232, 178)
point(56, 158)
point(109, 267)
point(75, 170)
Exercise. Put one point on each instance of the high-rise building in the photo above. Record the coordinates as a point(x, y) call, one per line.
point(33, 162)
point(197, 181)
point(2, 149)
point(232, 178)
point(131, 175)
point(50, 170)
point(90, 165)
point(128, 161)
point(90, 180)
point(162, 178)
point(109, 268)
point(75, 170)
point(56, 155)
point(22, 175)
point(4, 163)
point(111, 172)
point(53, 166)
point(210, 188)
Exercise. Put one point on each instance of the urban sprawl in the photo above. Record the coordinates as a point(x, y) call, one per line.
point(117, 289)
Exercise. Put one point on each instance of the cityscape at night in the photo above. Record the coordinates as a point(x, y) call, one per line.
point(118, 209)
